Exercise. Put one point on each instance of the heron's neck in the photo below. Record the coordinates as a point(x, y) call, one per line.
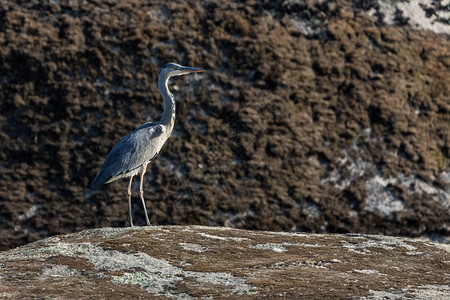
point(168, 117)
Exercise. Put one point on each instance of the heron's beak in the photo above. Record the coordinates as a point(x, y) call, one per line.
point(186, 70)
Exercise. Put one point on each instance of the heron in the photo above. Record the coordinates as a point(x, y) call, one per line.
point(131, 155)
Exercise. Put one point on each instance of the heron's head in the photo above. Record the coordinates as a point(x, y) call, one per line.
point(173, 69)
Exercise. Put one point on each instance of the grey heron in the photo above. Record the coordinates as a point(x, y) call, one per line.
point(131, 155)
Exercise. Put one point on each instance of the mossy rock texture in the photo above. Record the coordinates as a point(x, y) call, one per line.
point(313, 116)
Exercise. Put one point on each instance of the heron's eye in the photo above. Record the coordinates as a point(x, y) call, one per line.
point(174, 68)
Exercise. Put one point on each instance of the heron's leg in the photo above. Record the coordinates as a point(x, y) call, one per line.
point(129, 201)
point(141, 193)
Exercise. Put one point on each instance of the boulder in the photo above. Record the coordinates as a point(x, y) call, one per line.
point(188, 262)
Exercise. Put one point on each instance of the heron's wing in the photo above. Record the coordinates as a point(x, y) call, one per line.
point(131, 152)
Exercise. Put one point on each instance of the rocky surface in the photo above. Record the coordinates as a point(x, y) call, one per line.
point(321, 116)
point(185, 262)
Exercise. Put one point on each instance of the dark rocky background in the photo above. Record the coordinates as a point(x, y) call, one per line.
point(322, 116)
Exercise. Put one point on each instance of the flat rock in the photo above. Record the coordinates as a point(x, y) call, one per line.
point(186, 262)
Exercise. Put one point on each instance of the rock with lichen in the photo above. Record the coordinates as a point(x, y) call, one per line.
point(193, 262)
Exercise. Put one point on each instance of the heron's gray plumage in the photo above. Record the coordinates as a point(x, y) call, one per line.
point(131, 155)
point(142, 145)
